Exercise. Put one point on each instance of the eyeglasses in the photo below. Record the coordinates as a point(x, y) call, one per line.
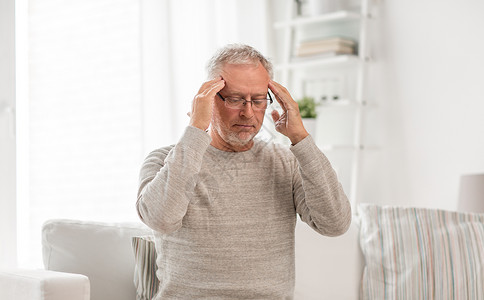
point(239, 103)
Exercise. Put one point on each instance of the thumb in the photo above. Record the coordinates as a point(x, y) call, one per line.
point(275, 115)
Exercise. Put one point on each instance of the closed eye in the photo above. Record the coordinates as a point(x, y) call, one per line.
point(259, 101)
point(235, 100)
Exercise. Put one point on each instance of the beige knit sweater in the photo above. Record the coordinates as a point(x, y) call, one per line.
point(224, 221)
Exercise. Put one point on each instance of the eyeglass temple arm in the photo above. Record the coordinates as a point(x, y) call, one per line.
point(223, 99)
point(270, 98)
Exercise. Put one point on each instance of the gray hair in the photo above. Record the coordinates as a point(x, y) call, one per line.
point(236, 54)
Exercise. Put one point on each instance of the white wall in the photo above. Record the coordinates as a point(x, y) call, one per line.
point(7, 134)
point(431, 93)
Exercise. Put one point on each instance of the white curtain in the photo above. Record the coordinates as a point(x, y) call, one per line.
point(7, 134)
point(191, 30)
point(109, 81)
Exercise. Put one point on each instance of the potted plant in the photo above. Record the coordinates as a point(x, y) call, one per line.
point(307, 109)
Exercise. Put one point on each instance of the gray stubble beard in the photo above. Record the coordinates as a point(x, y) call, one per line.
point(230, 137)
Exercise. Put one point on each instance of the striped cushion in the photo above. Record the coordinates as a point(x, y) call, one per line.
point(145, 278)
point(417, 253)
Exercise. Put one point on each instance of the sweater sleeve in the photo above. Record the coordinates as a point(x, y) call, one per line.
point(164, 178)
point(318, 195)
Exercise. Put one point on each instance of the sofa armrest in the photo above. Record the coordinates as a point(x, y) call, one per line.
point(22, 284)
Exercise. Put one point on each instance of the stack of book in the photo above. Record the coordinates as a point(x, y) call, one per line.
point(326, 47)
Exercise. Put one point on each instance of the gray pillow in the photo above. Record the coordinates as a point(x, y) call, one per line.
point(145, 279)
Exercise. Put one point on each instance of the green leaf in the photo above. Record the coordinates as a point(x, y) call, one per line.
point(307, 107)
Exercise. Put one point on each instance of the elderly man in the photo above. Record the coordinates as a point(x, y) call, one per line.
point(223, 204)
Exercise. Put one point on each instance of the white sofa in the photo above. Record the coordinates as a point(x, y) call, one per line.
point(93, 257)
point(388, 253)
point(103, 254)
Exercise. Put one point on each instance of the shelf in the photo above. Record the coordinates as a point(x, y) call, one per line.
point(340, 104)
point(319, 62)
point(345, 104)
point(349, 147)
point(335, 147)
point(351, 72)
point(326, 18)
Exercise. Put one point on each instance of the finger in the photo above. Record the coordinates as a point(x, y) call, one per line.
point(278, 121)
point(275, 115)
point(217, 87)
point(212, 89)
point(208, 91)
point(278, 99)
point(275, 90)
point(208, 84)
point(282, 96)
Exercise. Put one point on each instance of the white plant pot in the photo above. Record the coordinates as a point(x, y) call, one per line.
point(310, 125)
point(318, 7)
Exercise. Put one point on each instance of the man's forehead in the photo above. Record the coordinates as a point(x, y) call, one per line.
point(245, 79)
point(231, 68)
point(244, 87)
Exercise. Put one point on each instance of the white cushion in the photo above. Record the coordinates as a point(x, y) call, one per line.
point(19, 284)
point(421, 253)
point(327, 267)
point(101, 251)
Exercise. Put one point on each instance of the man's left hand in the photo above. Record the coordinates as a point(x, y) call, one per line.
point(289, 123)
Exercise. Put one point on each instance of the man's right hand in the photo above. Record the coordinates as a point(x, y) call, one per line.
point(202, 105)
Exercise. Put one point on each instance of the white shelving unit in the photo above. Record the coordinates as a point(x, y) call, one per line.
point(295, 72)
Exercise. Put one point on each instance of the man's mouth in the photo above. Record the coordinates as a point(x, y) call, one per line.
point(244, 126)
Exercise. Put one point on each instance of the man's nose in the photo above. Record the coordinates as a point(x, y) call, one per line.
point(247, 110)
